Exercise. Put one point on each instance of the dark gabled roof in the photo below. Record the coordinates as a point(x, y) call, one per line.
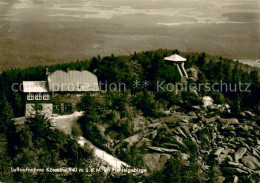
point(72, 81)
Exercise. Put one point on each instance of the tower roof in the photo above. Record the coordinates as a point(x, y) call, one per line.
point(175, 58)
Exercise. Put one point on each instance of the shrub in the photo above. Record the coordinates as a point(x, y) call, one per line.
point(218, 98)
point(191, 97)
point(146, 103)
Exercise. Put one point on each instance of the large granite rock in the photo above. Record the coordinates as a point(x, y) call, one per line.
point(138, 123)
point(163, 150)
point(184, 156)
point(239, 153)
point(251, 162)
point(207, 101)
point(144, 142)
point(219, 151)
point(153, 134)
point(212, 119)
point(155, 162)
point(249, 114)
point(132, 140)
point(235, 179)
point(192, 113)
point(231, 121)
point(154, 125)
point(234, 144)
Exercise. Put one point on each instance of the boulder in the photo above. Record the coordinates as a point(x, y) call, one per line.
point(226, 106)
point(242, 114)
point(223, 157)
point(167, 113)
point(196, 107)
point(184, 121)
point(231, 128)
point(138, 123)
point(256, 152)
point(221, 179)
point(251, 162)
point(144, 142)
point(205, 167)
point(154, 125)
point(181, 132)
point(153, 134)
point(228, 151)
point(205, 151)
point(171, 119)
point(239, 153)
point(132, 140)
point(213, 119)
point(155, 120)
point(170, 145)
point(162, 126)
point(240, 139)
point(194, 128)
point(179, 141)
point(155, 162)
point(192, 113)
point(184, 156)
point(241, 166)
point(174, 108)
point(231, 121)
point(249, 114)
point(207, 101)
point(138, 126)
point(218, 151)
point(163, 150)
point(235, 179)
point(186, 130)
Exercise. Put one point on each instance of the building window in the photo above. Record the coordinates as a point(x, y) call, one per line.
point(56, 109)
point(46, 96)
point(30, 96)
point(38, 107)
point(38, 96)
point(67, 108)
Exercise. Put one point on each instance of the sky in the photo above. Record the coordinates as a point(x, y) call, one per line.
point(46, 31)
point(195, 11)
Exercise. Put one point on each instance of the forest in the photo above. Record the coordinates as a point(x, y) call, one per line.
point(149, 66)
point(38, 145)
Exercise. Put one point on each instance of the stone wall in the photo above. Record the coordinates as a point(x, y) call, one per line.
point(46, 109)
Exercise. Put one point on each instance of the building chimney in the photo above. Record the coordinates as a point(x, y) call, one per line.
point(47, 71)
point(68, 69)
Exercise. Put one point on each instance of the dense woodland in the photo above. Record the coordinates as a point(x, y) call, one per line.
point(148, 66)
point(37, 144)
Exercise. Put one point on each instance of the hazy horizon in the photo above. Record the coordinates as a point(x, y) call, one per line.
point(34, 32)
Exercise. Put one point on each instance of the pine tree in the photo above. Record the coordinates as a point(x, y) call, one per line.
point(201, 60)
